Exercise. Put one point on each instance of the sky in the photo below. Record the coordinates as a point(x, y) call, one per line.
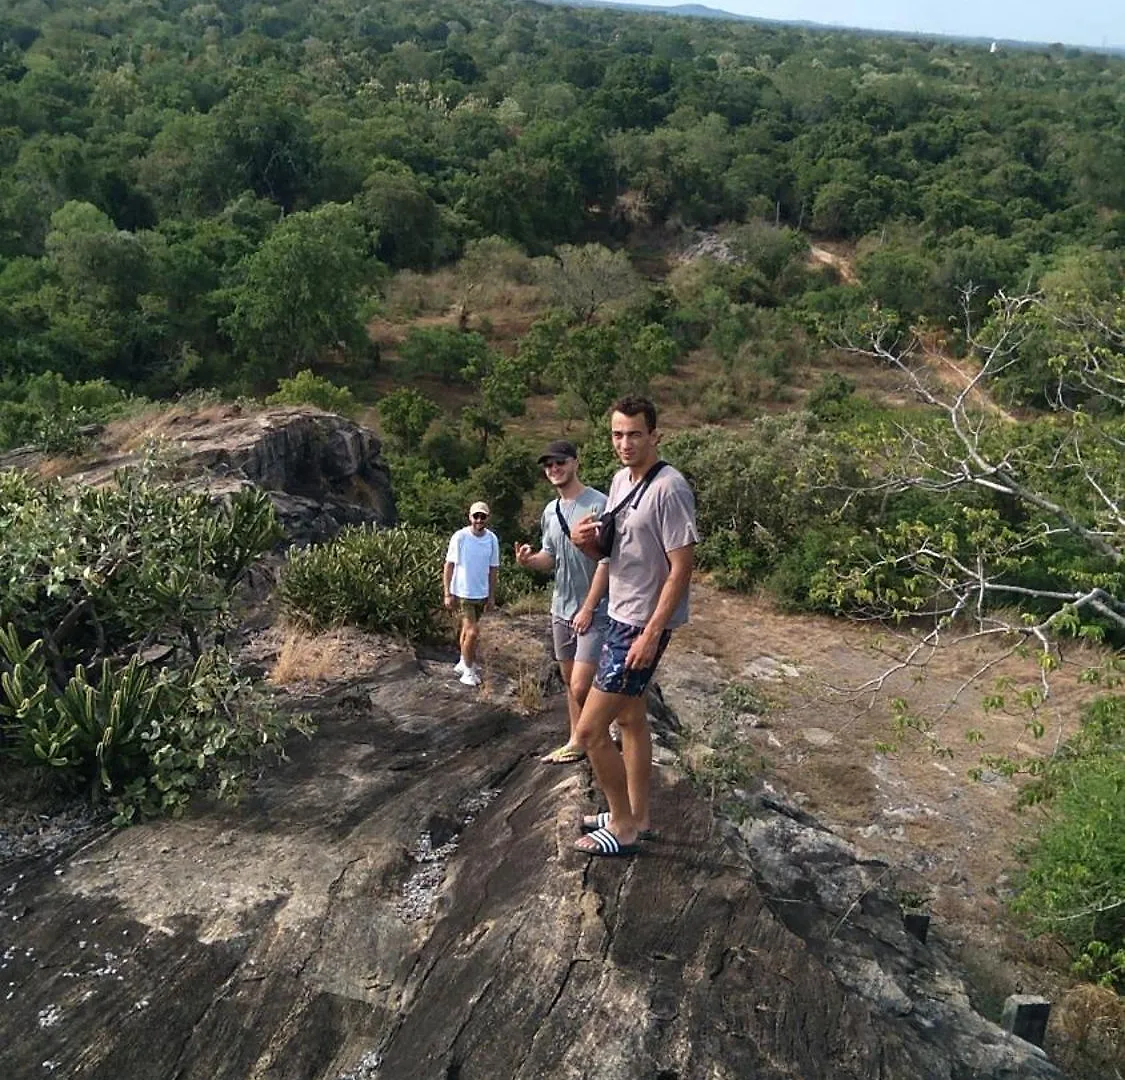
point(1074, 22)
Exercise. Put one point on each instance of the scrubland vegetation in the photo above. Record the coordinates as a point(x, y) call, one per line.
point(876, 284)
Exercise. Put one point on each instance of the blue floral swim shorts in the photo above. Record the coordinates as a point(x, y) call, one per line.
point(613, 677)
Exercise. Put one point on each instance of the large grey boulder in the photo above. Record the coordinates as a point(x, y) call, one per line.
point(321, 471)
point(400, 901)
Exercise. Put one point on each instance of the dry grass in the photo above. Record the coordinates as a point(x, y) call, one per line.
point(1093, 1019)
point(164, 422)
point(512, 656)
point(57, 466)
point(536, 603)
point(528, 691)
point(307, 657)
point(294, 657)
point(444, 294)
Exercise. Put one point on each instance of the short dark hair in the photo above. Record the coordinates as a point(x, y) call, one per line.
point(632, 405)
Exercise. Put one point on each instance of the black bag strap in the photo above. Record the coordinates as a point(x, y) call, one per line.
point(562, 520)
point(638, 489)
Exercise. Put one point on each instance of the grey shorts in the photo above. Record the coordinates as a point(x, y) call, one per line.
point(583, 648)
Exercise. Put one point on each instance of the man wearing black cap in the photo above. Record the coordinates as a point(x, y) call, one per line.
point(578, 603)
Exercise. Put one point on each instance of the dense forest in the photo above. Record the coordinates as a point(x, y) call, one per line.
point(441, 213)
point(215, 194)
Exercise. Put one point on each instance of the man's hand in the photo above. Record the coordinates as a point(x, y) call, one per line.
point(582, 620)
point(523, 554)
point(642, 653)
point(448, 602)
point(584, 531)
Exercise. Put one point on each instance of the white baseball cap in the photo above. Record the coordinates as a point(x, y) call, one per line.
point(479, 508)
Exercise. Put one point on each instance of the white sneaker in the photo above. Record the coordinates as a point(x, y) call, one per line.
point(459, 668)
point(471, 677)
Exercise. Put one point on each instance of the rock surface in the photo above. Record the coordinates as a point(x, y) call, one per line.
point(322, 471)
point(400, 900)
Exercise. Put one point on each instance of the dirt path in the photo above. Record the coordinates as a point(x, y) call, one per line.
point(841, 262)
point(914, 807)
point(956, 375)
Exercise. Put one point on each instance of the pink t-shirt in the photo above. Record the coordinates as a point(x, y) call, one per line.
point(662, 521)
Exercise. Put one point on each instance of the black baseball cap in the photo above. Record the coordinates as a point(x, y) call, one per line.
point(558, 448)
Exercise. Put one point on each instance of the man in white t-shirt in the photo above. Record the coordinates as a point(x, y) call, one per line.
point(472, 566)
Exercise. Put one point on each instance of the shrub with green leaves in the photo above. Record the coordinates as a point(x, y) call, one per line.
point(100, 573)
point(141, 739)
point(308, 388)
point(112, 601)
point(1074, 884)
point(760, 491)
point(406, 415)
point(442, 352)
point(377, 579)
point(49, 412)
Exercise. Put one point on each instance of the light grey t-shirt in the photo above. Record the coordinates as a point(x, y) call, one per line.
point(573, 570)
point(663, 521)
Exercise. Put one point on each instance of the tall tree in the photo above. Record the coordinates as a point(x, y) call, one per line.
point(300, 291)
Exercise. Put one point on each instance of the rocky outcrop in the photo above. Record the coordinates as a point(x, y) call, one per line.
point(322, 471)
point(400, 901)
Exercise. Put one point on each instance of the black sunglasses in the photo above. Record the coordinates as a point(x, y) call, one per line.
point(548, 462)
point(480, 517)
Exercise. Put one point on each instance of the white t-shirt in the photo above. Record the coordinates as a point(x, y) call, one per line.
point(472, 556)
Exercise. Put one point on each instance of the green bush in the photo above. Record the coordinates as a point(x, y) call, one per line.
point(800, 578)
point(832, 399)
point(596, 458)
point(425, 497)
point(451, 454)
point(92, 585)
point(759, 491)
point(442, 352)
point(406, 415)
point(308, 388)
point(515, 581)
point(140, 739)
point(104, 571)
point(1074, 884)
point(377, 579)
point(49, 412)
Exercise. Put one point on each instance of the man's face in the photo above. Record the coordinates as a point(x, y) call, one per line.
point(560, 470)
point(479, 522)
point(633, 443)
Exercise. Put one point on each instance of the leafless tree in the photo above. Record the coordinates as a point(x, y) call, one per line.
point(1060, 473)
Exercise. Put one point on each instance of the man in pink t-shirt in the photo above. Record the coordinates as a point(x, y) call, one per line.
point(650, 567)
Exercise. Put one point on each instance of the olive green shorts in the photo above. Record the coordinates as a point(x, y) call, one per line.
point(470, 609)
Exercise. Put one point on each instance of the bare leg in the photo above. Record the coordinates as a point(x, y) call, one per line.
point(636, 750)
point(581, 679)
point(606, 760)
point(470, 632)
point(563, 754)
point(579, 676)
point(573, 706)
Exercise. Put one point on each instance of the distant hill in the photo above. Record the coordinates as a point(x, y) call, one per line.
point(696, 11)
point(701, 11)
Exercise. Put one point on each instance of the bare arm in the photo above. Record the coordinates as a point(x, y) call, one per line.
point(642, 653)
point(493, 578)
point(599, 586)
point(584, 535)
point(542, 560)
point(447, 582)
